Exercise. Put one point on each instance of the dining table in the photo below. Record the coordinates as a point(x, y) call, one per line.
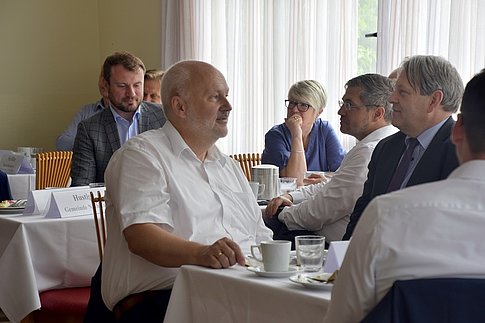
point(38, 254)
point(237, 294)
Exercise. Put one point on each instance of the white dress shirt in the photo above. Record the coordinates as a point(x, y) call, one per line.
point(156, 178)
point(327, 207)
point(430, 230)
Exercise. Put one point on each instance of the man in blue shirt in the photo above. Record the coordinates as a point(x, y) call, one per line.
point(101, 135)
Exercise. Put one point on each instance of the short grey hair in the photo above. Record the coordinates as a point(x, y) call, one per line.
point(427, 74)
point(311, 92)
point(175, 81)
point(375, 91)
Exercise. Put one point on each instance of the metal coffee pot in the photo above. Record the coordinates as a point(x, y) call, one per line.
point(269, 176)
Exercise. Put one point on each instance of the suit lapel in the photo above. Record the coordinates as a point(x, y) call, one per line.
point(391, 155)
point(111, 130)
point(431, 156)
point(144, 121)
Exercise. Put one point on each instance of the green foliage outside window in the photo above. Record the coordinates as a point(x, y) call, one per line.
point(367, 46)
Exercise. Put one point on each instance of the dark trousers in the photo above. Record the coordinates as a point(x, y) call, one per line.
point(97, 311)
point(151, 309)
point(281, 231)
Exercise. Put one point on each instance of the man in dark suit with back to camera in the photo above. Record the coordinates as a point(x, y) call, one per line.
point(428, 90)
point(101, 135)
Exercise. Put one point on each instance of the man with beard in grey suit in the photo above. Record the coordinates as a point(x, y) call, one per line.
point(101, 135)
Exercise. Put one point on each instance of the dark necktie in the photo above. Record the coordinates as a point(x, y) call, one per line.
point(403, 166)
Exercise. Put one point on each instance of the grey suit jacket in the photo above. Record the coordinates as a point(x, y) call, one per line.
point(97, 139)
point(437, 162)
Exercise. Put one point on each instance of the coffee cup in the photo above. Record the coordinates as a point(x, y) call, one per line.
point(257, 189)
point(275, 255)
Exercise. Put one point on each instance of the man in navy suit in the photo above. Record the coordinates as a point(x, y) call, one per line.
point(428, 90)
point(99, 136)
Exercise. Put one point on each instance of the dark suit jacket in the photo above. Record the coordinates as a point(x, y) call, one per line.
point(5, 193)
point(437, 162)
point(431, 300)
point(97, 139)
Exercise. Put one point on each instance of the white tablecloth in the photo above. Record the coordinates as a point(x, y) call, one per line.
point(21, 185)
point(238, 295)
point(38, 254)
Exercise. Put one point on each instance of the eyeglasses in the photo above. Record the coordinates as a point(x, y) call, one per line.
point(302, 107)
point(348, 106)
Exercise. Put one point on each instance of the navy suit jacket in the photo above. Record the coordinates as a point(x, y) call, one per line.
point(437, 162)
point(431, 300)
point(97, 139)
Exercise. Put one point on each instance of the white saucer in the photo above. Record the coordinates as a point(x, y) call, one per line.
point(12, 210)
point(274, 274)
point(305, 280)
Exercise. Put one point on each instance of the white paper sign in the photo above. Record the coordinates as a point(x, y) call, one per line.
point(10, 163)
point(26, 166)
point(70, 203)
point(335, 256)
point(39, 200)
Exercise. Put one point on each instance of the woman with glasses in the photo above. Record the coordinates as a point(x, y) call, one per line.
point(304, 142)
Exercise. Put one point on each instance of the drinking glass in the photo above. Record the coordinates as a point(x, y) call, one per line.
point(287, 185)
point(310, 252)
point(33, 153)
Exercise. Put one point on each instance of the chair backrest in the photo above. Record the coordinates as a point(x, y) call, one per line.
point(451, 300)
point(99, 221)
point(247, 161)
point(53, 169)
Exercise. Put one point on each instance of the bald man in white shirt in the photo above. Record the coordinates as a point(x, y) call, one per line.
point(172, 198)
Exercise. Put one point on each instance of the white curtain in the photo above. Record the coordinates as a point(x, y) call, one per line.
point(263, 47)
point(453, 29)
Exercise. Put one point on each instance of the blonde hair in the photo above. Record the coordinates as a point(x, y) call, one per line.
point(311, 92)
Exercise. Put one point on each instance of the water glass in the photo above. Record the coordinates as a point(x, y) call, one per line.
point(287, 185)
point(310, 252)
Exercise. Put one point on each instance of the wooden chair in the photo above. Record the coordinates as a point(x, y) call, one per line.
point(99, 221)
point(53, 169)
point(247, 161)
point(63, 304)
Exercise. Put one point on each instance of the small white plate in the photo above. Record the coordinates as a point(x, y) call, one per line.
point(274, 274)
point(12, 210)
point(305, 280)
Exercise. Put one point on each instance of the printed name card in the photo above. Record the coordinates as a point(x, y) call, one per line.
point(70, 203)
point(10, 163)
point(15, 163)
point(39, 200)
point(335, 256)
